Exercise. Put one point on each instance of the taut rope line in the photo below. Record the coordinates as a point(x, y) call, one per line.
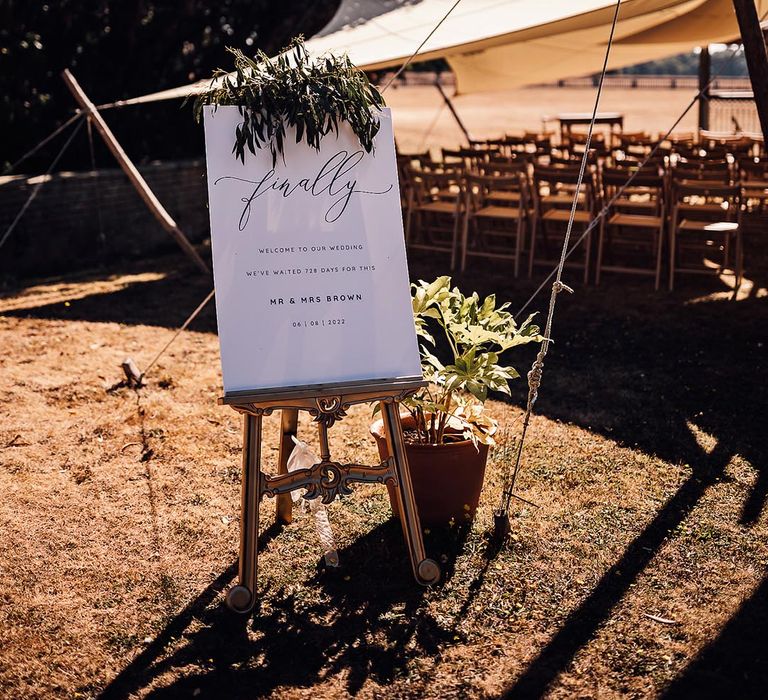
point(537, 369)
point(181, 328)
point(39, 185)
point(603, 212)
point(42, 143)
point(420, 47)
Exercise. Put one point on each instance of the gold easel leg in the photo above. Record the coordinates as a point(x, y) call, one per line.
point(242, 598)
point(289, 420)
point(425, 570)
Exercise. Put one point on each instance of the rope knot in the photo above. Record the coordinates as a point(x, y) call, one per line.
point(558, 287)
point(534, 376)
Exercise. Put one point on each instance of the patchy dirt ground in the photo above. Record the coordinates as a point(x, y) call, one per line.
point(640, 573)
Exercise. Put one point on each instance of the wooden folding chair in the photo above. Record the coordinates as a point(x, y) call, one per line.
point(506, 146)
point(415, 159)
point(573, 161)
point(434, 211)
point(406, 161)
point(621, 159)
point(552, 198)
point(507, 167)
point(740, 147)
point(513, 158)
point(598, 147)
point(492, 145)
point(699, 173)
point(696, 229)
point(683, 140)
point(538, 144)
point(753, 175)
point(495, 215)
point(634, 143)
point(509, 145)
point(468, 157)
point(452, 157)
point(634, 225)
point(563, 197)
point(703, 168)
point(632, 198)
point(736, 145)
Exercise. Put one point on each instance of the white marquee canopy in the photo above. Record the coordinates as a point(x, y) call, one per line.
point(496, 45)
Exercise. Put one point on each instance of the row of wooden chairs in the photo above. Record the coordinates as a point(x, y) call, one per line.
point(510, 211)
point(750, 172)
point(637, 144)
point(469, 158)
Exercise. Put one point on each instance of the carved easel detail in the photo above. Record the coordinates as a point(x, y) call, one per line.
point(327, 479)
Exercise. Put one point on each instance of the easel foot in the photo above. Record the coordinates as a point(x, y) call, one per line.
point(428, 572)
point(240, 600)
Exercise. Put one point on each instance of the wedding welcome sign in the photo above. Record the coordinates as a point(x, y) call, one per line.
point(309, 260)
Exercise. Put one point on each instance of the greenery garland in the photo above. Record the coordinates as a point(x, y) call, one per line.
point(293, 90)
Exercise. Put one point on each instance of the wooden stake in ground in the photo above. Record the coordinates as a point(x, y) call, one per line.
point(165, 219)
point(757, 58)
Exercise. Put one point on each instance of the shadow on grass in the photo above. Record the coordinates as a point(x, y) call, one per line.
point(671, 378)
point(165, 299)
point(649, 371)
point(128, 680)
point(366, 620)
point(584, 622)
point(734, 664)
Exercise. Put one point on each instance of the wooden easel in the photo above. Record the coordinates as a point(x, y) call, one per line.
point(327, 479)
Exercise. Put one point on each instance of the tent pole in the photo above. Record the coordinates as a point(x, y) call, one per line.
point(704, 77)
point(157, 209)
point(453, 111)
point(757, 58)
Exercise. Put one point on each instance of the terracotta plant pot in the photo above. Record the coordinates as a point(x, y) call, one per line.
point(447, 479)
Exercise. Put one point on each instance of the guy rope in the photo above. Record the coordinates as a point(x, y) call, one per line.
point(501, 516)
point(36, 189)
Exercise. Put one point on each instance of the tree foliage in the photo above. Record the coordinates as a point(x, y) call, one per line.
point(723, 63)
point(123, 48)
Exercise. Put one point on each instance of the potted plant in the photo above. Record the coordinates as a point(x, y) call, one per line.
point(447, 428)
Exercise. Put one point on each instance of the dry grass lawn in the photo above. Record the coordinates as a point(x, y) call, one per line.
point(640, 573)
point(119, 515)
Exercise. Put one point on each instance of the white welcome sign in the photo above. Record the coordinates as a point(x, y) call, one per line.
point(309, 260)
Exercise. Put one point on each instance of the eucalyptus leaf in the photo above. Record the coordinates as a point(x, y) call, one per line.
point(272, 94)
